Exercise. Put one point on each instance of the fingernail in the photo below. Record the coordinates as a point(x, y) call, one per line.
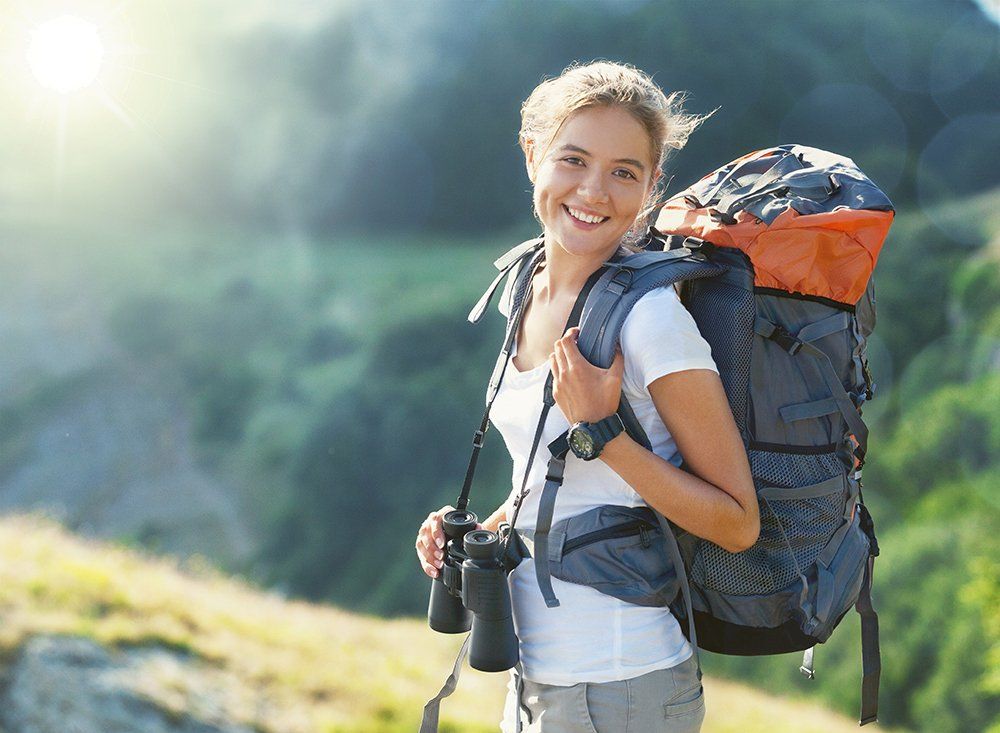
point(439, 541)
point(438, 555)
point(434, 573)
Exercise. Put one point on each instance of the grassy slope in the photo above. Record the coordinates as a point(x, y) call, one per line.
point(276, 664)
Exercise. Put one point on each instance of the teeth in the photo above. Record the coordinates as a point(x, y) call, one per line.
point(577, 214)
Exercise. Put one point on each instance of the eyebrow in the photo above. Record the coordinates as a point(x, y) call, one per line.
point(629, 161)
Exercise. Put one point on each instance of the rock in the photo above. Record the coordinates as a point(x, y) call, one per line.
point(74, 685)
point(114, 456)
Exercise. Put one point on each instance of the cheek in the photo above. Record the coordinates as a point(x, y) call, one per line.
point(637, 198)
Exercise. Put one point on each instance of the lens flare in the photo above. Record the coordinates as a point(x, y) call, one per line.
point(65, 54)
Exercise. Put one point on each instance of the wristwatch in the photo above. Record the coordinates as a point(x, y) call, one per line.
point(587, 439)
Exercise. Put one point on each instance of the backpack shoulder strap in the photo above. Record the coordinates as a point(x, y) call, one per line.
point(507, 262)
point(620, 288)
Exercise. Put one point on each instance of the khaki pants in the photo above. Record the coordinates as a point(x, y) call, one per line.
point(663, 701)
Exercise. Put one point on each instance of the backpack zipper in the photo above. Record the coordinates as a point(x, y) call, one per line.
point(635, 527)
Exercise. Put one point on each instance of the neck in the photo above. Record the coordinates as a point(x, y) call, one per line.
point(565, 274)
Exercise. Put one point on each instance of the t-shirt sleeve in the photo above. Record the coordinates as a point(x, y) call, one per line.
point(660, 337)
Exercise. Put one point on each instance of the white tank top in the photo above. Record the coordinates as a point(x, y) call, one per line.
point(590, 636)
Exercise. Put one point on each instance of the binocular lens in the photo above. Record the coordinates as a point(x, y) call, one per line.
point(481, 544)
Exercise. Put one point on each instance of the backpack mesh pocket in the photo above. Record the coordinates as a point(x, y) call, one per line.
point(793, 532)
point(802, 500)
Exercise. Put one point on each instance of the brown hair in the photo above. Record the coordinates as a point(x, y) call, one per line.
point(608, 84)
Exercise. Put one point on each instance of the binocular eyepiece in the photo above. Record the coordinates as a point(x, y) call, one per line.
point(471, 592)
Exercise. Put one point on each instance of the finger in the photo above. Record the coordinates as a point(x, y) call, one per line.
point(431, 530)
point(554, 367)
point(572, 351)
point(560, 353)
point(433, 557)
point(427, 545)
point(436, 532)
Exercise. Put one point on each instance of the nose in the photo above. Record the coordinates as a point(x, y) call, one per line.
point(591, 188)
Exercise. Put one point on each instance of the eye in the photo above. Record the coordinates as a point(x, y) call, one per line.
point(626, 173)
point(573, 160)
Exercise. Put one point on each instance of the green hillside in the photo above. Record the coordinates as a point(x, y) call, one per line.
point(274, 665)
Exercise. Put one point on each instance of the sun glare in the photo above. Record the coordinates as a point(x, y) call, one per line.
point(65, 54)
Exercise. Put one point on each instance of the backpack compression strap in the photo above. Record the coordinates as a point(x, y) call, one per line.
point(871, 656)
point(839, 400)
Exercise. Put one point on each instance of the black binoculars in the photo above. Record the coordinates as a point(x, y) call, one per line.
point(471, 592)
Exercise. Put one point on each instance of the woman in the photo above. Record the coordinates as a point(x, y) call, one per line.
point(595, 140)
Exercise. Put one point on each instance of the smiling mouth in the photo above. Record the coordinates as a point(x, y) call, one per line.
point(583, 217)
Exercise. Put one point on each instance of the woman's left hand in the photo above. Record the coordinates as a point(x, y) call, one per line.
point(584, 392)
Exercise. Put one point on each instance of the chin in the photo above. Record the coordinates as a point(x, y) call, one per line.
point(574, 244)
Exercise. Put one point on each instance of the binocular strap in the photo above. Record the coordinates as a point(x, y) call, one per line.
point(432, 709)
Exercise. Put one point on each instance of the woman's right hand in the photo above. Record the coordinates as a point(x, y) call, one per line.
point(430, 542)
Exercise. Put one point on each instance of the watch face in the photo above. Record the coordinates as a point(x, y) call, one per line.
point(581, 442)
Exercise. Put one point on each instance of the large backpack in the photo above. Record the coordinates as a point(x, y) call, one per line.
point(797, 231)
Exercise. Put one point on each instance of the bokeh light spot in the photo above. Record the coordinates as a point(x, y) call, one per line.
point(852, 120)
point(65, 54)
point(963, 159)
point(963, 51)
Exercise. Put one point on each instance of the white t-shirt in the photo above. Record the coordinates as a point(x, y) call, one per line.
point(590, 636)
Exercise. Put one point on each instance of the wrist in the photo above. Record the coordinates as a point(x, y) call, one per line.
point(495, 519)
point(615, 447)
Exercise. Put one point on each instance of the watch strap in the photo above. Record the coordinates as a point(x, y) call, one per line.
point(610, 427)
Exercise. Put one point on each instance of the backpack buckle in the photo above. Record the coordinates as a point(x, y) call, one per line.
point(722, 217)
point(785, 340)
point(620, 281)
point(698, 245)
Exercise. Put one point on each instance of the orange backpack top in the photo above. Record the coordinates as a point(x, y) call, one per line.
point(810, 221)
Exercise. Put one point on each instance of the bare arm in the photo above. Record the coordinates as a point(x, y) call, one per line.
point(493, 523)
point(716, 500)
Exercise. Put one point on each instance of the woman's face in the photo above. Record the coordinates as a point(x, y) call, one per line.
point(593, 179)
